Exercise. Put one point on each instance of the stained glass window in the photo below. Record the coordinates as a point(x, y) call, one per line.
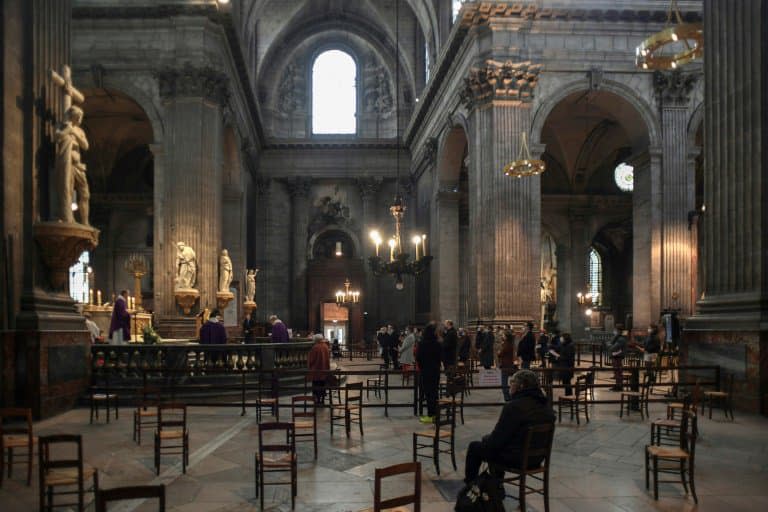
point(624, 176)
point(595, 277)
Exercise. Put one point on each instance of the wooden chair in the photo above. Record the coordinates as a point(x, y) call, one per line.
point(104, 496)
point(351, 411)
point(695, 399)
point(454, 391)
point(576, 402)
point(674, 459)
point(101, 394)
point(546, 379)
point(441, 435)
point(17, 434)
point(267, 401)
point(305, 419)
point(637, 398)
point(589, 379)
point(537, 445)
point(395, 504)
point(276, 458)
point(145, 415)
point(63, 472)
point(722, 399)
point(665, 431)
point(172, 436)
point(375, 384)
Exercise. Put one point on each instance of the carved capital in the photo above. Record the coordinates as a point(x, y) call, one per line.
point(298, 187)
point(430, 150)
point(369, 186)
point(195, 82)
point(500, 81)
point(261, 185)
point(673, 87)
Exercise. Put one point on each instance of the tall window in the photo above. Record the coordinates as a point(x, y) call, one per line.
point(334, 93)
point(456, 8)
point(78, 279)
point(426, 62)
point(595, 275)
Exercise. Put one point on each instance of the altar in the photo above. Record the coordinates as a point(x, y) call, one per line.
point(102, 316)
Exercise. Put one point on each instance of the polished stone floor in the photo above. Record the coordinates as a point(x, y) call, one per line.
point(596, 467)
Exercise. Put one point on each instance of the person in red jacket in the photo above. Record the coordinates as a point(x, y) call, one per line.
point(318, 363)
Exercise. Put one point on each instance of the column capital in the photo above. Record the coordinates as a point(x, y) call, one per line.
point(369, 186)
point(262, 184)
point(190, 81)
point(494, 80)
point(298, 187)
point(673, 88)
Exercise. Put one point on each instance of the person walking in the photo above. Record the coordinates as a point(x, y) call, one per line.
point(428, 356)
point(318, 364)
point(527, 348)
point(507, 362)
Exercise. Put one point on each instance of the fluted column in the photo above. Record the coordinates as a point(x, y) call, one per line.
point(445, 269)
point(190, 195)
point(577, 263)
point(505, 213)
point(369, 188)
point(299, 189)
point(677, 190)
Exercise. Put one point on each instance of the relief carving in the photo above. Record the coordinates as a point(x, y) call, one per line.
point(500, 81)
point(377, 92)
point(291, 92)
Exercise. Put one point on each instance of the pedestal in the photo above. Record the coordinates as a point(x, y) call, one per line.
point(186, 299)
point(61, 244)
point(248, 306)
point(223, 299)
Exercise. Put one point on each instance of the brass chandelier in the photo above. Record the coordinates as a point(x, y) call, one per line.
point(691, 35)
point(525, 165)
point(347, 297)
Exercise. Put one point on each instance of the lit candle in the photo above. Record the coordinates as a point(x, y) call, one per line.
point(416, 240)
point(98, 297)
point(90, 297)
point(423, 245)
point(391, 249)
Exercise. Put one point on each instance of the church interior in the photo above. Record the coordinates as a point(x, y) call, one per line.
point(590, 167)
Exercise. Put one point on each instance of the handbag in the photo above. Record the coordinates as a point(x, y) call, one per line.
point(483, 494)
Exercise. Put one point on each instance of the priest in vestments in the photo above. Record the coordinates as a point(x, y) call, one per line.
point(120, 326)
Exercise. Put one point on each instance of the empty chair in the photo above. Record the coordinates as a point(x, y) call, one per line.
point(351, 411)
point(154, 492)
point(276, 457)
point(722, 399)
point(638, 399)
point(102, 395)
point(534, 464)
point(145, 415)
point(439, 439)
point(678, 459)
point(576, 402)
point(375, 383)
point(454, 391)
point(395, 504)
point(172, 436)
point(305, 419)
point(17, 434)
point(267, 402)
point(58, 472)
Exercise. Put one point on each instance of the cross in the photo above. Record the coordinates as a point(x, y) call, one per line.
point(65, 82)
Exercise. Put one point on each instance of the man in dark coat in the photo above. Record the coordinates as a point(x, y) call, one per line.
point(527, 407)
point(566, 360)
point(526, 350)
point(485, 341)
point(249, 328)
point(450, 345)
point(543, 347)
point(213, 331)
point(428, 356)
point(120, 325)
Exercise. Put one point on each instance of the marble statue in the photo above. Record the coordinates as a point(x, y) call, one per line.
point(69, 169)
point(225, 271)
point(250, 284)
point(186, 267)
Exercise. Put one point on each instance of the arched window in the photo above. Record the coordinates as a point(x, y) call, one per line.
point(79, 284)
point(456, 8)
point(334, 93)
point(426, 62)
point(595, 276)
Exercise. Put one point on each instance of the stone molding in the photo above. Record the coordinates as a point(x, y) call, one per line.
point(673, 87)
point(430, 151)
point(369, 186)
point(407, 185)
point(195, 82)
point(261, 185)
point(299, 186)
point(500, 81)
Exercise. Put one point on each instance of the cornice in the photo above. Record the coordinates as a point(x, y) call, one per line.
point(327, 144)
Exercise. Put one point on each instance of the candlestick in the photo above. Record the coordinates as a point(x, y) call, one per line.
point(416, 239)
point(90, 297)
point(98, 298)
point(423, 245)
point(391, 249)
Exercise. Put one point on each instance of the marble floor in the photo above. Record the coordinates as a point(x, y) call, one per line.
point(596, 467)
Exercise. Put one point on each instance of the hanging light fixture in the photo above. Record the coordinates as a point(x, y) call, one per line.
point(398, 264)
point(525, 165)
point(649, 54)
point(347, 297)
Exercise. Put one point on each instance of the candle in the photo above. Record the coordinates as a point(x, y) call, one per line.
point(378, 243)
point(90, 297)
point(98, 298)
point(391, 249)
point(416, 240)
point(423, 245)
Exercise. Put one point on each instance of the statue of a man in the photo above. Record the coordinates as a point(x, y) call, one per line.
point(250, 285)
point(186, 267)
point(225, 271)
point(70, 170)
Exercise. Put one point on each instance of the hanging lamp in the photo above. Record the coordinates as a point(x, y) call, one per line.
point(525, 165)
point(649, 54)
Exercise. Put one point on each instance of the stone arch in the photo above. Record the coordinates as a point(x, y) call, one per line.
point(451, 151)
point(143, 99)
point(334, 227)
point(622, 90)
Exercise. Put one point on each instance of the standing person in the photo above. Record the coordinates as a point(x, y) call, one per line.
point(92, 328)
point(566, 361)
point(507, 362)
point(120, 324)
point(336, 348)
point(249, 328)
point(394, 343)
point(383, 339)
point(213, 332)
point(651, 347)
point(616, 348)
point(318, 363)
point(406, 350)
point(543, 347)
point(485, 338)
point(527, 348)
point(279, 330)
point(428, 357)
point(450, 345)
point(465, 346)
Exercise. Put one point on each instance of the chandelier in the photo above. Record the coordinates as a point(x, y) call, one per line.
point(691, 35)
point(525, 165)
point(347, 297)
point(398, 264)
point(588, 299)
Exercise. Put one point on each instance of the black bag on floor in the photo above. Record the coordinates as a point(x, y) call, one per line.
point(484, 494)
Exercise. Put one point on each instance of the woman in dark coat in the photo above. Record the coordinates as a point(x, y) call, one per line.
point(507, 362)
point(566, 362)
point(428, 356)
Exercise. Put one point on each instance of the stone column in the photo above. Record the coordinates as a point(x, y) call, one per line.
point(646, 239)
point(446, 273)
point(505, 213)
point(369, 189)
point(578, 261)
point(677, 190)
point(729, 327)
point(299, 189)
point(190, 195)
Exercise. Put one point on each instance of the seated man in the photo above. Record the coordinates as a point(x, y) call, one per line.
point(527, 406)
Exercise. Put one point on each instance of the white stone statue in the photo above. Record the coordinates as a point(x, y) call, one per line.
point(69, 169)
point(225, 271)
point(186, 267)
point(250, 284)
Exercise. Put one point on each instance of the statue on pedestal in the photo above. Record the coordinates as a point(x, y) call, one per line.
point(225, 271)
point(250, 285)
point(186, 267)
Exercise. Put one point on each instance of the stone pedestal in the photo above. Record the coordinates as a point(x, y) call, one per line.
point(223, 299)
point(248, 306)
point(186, 299)
point(61, 244)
